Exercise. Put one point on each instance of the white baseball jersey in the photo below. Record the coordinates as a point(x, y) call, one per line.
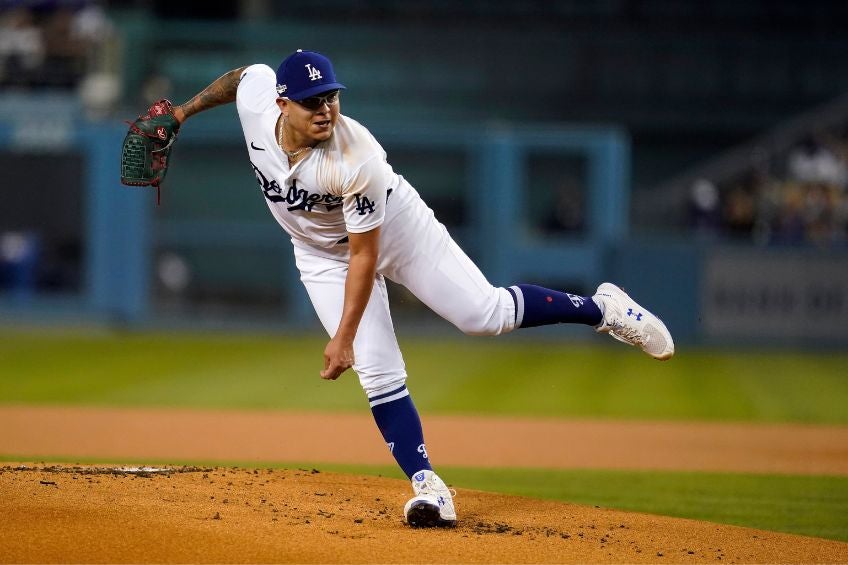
point(340, 186)
point(344, 185)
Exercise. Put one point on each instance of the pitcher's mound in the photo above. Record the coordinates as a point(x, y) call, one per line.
point(120, 514)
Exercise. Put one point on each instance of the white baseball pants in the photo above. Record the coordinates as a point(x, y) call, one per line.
point(417, 252)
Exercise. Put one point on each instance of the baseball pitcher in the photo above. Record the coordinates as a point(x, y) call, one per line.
point(355, 222)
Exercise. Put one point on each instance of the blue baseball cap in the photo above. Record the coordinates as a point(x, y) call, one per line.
point(305, 73)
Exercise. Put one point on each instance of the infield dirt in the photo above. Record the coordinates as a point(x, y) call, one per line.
point(84, 514)
point(221, 515)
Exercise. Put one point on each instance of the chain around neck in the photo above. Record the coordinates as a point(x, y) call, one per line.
point(281, 136)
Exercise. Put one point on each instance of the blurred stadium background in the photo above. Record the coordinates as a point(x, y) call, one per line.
point(694, 152)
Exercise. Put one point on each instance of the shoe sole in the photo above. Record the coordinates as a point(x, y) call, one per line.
point(423, 515)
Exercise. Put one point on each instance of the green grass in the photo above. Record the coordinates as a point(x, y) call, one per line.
point(807, 505)
point(495, 376)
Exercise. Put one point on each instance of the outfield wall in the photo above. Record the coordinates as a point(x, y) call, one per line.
point(211, 254)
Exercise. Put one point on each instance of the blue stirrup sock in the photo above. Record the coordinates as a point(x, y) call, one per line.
point(400, 425)
point(538, 306)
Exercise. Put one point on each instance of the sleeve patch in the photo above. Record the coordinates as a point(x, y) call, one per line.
point(363, 205)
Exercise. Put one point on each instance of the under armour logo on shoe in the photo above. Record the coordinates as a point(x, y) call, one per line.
point(441, 500)
point(419, 477)
point(638, 316)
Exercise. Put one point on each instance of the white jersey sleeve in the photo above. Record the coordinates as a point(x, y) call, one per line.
point(365, 195)
point(255, 94)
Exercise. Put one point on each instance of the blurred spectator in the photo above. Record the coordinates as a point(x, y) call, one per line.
point(54, 44)
point(19, 254)
point(100, 93)
point(66, 54)
point(22, 48)
point(91, 25)
point(802, 198)
point(705, 208)
point(813, 161)
point(739, 210)
point(788, 225)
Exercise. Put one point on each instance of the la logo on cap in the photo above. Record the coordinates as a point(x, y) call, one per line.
point(317, 76)
point(314, 74)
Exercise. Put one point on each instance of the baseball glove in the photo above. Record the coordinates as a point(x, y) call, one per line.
point(147, 145)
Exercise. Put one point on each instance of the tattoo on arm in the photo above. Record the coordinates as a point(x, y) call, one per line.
point(222, 91)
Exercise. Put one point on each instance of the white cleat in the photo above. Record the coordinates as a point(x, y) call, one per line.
point(628, 322)
point(432, 505)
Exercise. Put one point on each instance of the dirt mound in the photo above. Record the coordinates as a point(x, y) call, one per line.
point(84, 514)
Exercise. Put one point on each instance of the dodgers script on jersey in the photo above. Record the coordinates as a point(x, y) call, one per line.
point(341, 186)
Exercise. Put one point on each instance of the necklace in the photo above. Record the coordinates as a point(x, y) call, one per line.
point(281, 141)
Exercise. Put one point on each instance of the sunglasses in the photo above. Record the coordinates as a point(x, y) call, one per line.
point(314, 103)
